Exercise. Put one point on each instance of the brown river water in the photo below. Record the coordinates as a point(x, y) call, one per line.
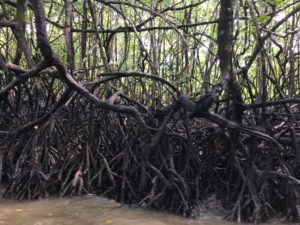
point(92, 210)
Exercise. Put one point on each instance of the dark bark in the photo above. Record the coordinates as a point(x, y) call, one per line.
point(68, 33)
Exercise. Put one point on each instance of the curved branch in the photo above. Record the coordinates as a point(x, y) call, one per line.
point(118, 75)
point(23, 78)
point(52, 59)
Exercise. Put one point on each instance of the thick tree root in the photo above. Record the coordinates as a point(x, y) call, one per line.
point(174, 167)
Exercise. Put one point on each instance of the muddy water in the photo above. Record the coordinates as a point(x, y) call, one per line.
point(92, 210)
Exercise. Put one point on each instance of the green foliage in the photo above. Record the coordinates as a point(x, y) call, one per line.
point(276, 3)
point(260, 20)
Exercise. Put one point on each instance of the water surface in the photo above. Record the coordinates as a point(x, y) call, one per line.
point(92, 210)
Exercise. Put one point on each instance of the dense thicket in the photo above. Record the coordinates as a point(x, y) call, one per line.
point(158, 103)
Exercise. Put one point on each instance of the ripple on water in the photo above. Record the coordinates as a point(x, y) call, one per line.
point(92, 210)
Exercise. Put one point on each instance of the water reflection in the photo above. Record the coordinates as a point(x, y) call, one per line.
point(91, 210)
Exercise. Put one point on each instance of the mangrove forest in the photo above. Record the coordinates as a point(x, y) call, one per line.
point(173, 105)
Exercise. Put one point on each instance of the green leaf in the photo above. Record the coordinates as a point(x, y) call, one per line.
point(276, 3)
point(259, 19)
